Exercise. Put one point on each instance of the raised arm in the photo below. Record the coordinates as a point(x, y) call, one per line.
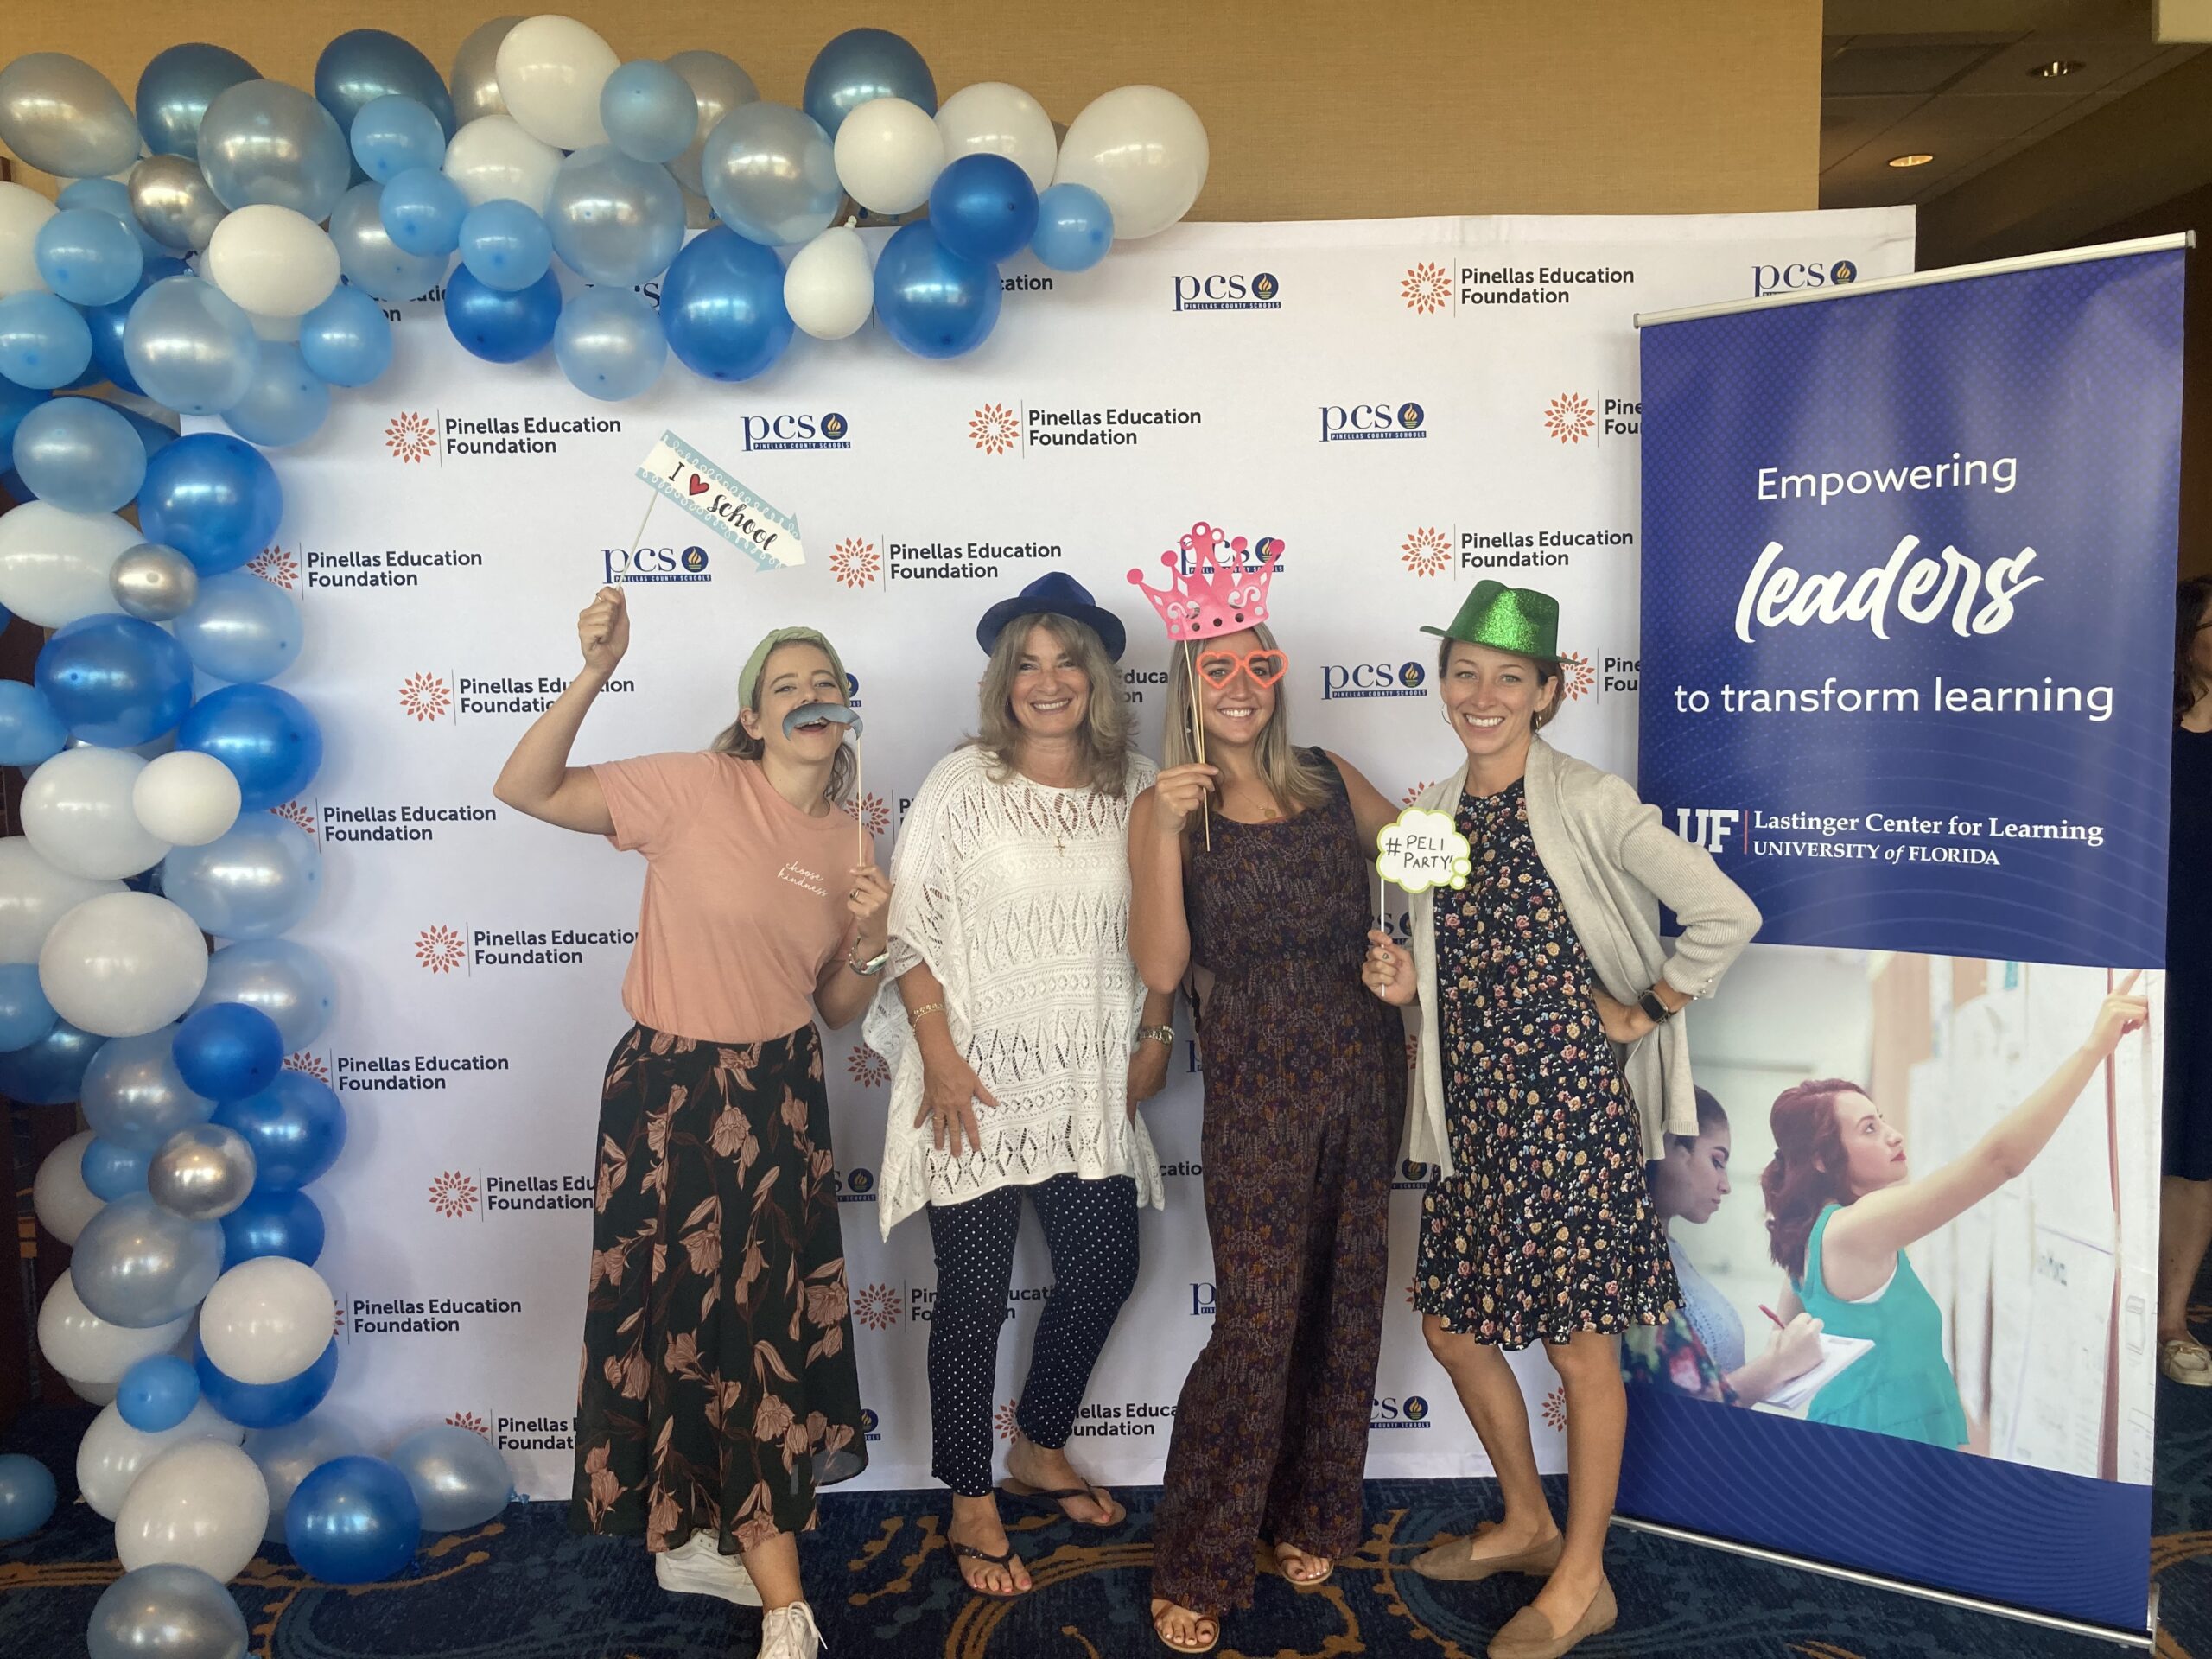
point(1159, 934)
point(537, 778)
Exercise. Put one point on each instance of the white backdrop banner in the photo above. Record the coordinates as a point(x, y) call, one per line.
point(1409, 405)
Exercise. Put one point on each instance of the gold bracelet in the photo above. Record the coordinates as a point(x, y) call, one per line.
point(1164, 1035)
point(913, 1015)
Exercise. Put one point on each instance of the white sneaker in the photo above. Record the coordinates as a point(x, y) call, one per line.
point(790, 1633)
point(698, 1568)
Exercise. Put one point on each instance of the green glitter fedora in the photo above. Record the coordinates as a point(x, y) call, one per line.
point(1518, 619)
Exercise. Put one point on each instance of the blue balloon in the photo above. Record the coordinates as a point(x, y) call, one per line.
point(861, 64)
point(240, 629)
point(504, 245)
point(114, 680)
point(108, 323)
point(26, 1497)
point(931, 300)
point(502, 327)
point(81, 454)
point(112, 197)
point(113, 1170)
point(43, 341)
point(158, 1392)
point(1075, 227)
point(984, 209)
point(392, 134)
point(265, 1405)
point(614, 219)
point(367, 254)
point(266, 736)
point(421, 210)
point(347, 340)
point(649, 111)
point(286, 404)
point(189, 346)
point(363, 65)
point(295, 1127)
point(25, 1015)
point(253, 882)
point(722, 305)
point(213, 498)
point(353, 1521)
point(89, 258)
point(176, 89)
point(609, 343)
point(228, 1051)
point(16, 403)
point(49, 1072)
point(287, 1224)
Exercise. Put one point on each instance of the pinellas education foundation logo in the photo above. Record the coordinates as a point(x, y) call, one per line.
point(411, 437)
point(425, 697)
point(1426, 288)
point(1426, 552)
point(440, 949)
point(1569, 417)
point(876, 1307)
point(994, 428)
point(453, 1195)
point(855, 562)
point(869, 1069)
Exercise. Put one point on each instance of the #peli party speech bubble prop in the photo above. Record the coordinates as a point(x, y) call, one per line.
point(1422, 850)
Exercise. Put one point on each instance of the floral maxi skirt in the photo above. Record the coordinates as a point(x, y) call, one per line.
point(719, 1388)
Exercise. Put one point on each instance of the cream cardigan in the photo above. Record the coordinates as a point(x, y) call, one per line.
point(1614, 862)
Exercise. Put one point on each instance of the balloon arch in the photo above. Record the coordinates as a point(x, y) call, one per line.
point(227, 250)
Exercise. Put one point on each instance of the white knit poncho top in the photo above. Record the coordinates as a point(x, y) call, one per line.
point(1016, 894)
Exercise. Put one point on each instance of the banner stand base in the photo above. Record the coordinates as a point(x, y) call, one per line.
point(2144, 1639)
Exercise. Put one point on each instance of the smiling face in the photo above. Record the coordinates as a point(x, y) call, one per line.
point(1051, 694)
point(1873, 1152)
point(794, 676)
point(1493, 698)
point(1693, 1178)
point(1235, 704)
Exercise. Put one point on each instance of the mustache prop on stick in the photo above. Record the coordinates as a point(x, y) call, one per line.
point(837, 714)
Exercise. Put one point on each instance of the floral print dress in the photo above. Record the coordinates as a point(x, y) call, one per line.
point(1545, 1228)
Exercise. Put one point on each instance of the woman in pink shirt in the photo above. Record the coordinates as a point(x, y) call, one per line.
point(718, 1389)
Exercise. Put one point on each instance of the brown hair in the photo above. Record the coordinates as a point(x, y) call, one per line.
point(2192, 598)
point(1711, 1118)
point(1290, 778)
point(1108, 730)
point(734, 739)
point(1547, 673)
point(1807, 1173)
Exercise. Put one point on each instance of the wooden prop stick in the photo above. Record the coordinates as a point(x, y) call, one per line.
point(1198, 739)
point(651, 496)
point(859, 808)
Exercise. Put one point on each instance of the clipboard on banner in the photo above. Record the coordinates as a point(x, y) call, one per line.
point(1838, 1355)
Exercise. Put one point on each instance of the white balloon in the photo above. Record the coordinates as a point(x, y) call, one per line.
point(34, 896)
point(267, 1320)
point(77, 812)
point(491, 157)
point(85, 1347)
point(59, 1196)
point(273, 260)
point(552, 70)
point(992, 118)
point(112, 1454)
point(284, 330)
point(888, 153)
point(123, 964)
point(186, 799)
point(23, 210)
point(1144, 150)
point(53, 565)
point(202, 1504)
point(830, 287)
point(94, 1394)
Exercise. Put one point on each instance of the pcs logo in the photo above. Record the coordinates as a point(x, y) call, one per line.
point(1797, 278)
point(1412, 1177)
point(627, 564)
point(1408, 679)
point(871, 1425)
point(831, 431)
point(1219, 292)
point(856, 1187)
point(1391, 1411)
point(1357, 423)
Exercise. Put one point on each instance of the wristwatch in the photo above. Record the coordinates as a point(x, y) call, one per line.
point(1649, 1002)
point(1164, 1035)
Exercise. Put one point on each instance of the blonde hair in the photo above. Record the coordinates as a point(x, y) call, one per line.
point(734, 739)
point(1106, 727)
point(1292, 779)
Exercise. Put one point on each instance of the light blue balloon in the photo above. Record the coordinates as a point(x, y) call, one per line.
point(614, 219)
point(369, 257)
point(609, 344)
point(157, 1393)
point(861, 64)
point(177, 1611)
point(347, 340)
point(48, 1073)
point(43, 341)
point(504, 245)
point(287, 402)
point(133, 1095)
point(26, 1497)
point(262, 141)
point(112, 197)
point(363, 65)
point(771, 174)
point(25, 1015)
point(459, 1477)
point(110, 324)
point(392, 134)
point(112, 1172)
point(81, 454)
point(650, 112)
point(1075, 228)
point(190, 346)
point(176, 89)
point(138, 1265)
point(241, 628)
point(30, 731)
point(254, 882)
point(421, 210)
point(282, 978)
point(88, 256)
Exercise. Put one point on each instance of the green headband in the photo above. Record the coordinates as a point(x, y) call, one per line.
point(748, 677)
point(1518, 619)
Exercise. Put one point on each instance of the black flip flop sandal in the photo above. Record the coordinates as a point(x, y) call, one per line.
point(1038, 1497)
point(1004, 1558)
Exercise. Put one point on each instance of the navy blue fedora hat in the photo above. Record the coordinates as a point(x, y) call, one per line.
point(1054, 593)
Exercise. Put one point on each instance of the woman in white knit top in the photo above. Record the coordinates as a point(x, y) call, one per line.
point(1020, 1041)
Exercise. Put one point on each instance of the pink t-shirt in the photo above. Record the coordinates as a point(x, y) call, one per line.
point(745, 896)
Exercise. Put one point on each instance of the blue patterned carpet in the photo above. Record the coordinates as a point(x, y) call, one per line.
point(883, 1581)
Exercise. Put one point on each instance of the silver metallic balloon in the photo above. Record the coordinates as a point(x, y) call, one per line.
point(771, 174)
point(136, 1264)
point(177, 88)
point(289, 1455)
point(475, 78)
point(60, 114)
point(134, 1096)
point(152, 582)
point(262, 141)
point(176, 1611)
point(720, 85)
point(614, 219)
point(459, 1477)
point(170, 196)
point(202, 1174)
point(368, 255)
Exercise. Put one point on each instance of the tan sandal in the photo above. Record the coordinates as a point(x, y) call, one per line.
point(1447, 1559)
point(1282, 1567)
point(2186, 1360)
point(1161, 1603)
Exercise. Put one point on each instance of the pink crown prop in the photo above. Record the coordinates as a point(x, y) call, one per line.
point(1226, 589)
